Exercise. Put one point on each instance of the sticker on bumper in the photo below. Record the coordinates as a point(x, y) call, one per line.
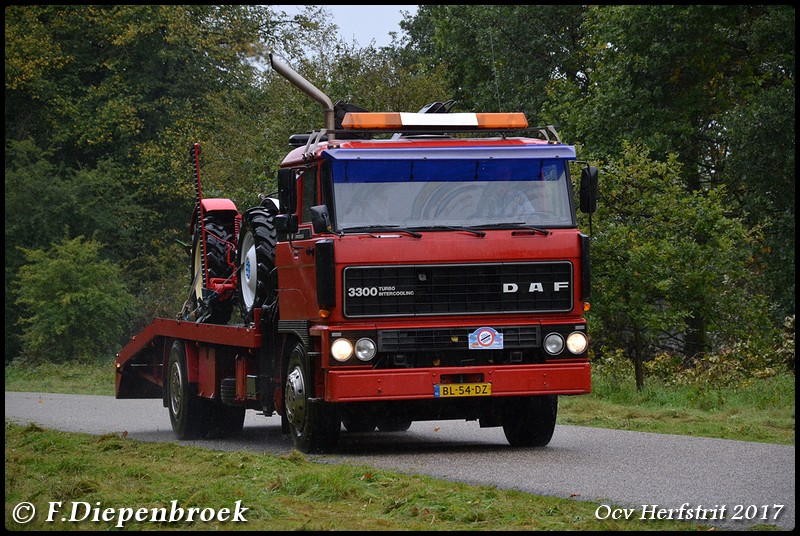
point(485, 339)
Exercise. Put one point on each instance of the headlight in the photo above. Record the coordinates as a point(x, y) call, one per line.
point(341, 349)
point(577, 342)
point(366, 349)
point(553, 343)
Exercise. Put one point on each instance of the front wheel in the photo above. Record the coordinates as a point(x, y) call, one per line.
point(313, 424)
point(531, 421)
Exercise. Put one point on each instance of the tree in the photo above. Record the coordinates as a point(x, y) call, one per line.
point(76, 306)
point(102, 104)
point(498, 57)
point(713, 85)
point(662, 253)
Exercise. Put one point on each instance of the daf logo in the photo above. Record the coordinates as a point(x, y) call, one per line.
point(511, 288)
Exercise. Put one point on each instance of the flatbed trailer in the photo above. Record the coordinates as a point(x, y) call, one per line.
point(140, 365)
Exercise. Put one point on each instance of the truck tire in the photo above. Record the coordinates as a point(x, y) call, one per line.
point(530, 422)
point(186, 410)
point(394, 424)
point(256, 261)
point(313, 425)
point(219, 245)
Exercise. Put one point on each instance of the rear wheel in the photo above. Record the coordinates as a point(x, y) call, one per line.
point(256, 256)
point(313, 424)
point(186, 409)
point(530, 422)
point(219, 251)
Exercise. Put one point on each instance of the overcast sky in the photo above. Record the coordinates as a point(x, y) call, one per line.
point(363, 23)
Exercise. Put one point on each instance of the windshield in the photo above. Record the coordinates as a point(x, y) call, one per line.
point(451, 193)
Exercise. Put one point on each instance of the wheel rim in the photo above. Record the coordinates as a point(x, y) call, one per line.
point(296, 399)
point(198, 268)
point(175, 392)
point(249, 271)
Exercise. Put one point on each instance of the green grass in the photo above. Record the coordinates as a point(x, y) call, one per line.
point(280, 492)
point(68, 378)
point(763, 411)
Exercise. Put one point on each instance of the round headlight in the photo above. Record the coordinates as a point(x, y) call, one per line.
point(553, 343)
point(341, 349)
point(366, 349)
point(577, 342)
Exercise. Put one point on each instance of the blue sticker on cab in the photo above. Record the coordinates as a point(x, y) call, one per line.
point(485, 339)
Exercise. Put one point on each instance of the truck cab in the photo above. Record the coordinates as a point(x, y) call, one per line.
point(429, 276)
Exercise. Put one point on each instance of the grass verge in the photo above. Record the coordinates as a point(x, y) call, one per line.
point(98, 476)
point(763, 411)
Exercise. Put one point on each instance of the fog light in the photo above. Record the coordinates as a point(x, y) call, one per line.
point(366, 349)
point(341, 350)
point(577, 342)
point(553, 343)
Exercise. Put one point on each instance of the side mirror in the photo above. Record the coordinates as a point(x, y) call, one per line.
point(320, 220)
point(287, 191)
point(589, 190)
point(286, 224)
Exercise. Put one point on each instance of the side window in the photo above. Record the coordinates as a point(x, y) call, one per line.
point(309, 178)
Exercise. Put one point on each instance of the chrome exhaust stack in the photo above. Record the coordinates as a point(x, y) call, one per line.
point(313, 91)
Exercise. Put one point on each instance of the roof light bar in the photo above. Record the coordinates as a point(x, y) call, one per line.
point(403, 120)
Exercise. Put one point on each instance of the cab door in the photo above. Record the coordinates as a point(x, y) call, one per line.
point(295, 253)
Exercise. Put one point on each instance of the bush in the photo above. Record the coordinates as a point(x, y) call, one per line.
point(75, 305)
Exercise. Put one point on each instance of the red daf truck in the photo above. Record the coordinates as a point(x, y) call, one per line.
point(414, 266)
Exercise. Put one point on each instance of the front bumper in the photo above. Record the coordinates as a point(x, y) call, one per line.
point(362, 385)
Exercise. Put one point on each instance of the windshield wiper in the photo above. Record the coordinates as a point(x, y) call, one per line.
point(517, 226)
point(378, 228)
point(450, 228)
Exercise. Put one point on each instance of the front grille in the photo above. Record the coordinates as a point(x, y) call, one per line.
point(427, 290)
point(515, 337)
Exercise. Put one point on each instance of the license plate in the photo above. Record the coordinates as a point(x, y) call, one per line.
point(462, 389)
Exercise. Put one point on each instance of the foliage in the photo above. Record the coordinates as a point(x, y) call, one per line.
point(661, 254)
point(498, 57)
point(786, 350)
point(711, 84)
point(102, 105)
point(760, 173)
point(75, 305)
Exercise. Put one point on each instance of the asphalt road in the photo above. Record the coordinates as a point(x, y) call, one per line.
point(642, 471)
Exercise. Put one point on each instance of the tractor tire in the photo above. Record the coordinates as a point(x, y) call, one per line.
point(256, 261)
point(530, 422)
point(187, 412)
point(219, 250)
point(313, 425)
